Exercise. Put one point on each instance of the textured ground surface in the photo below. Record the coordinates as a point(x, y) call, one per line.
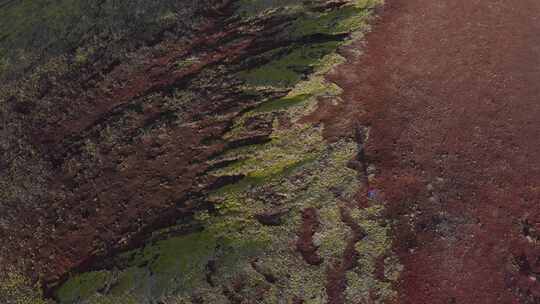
point(223, 152)
point(450, 90)
point(163, 152)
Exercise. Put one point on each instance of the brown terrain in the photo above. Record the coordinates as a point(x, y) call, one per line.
point(450, 93)
point(443, 104)
point(155, 180)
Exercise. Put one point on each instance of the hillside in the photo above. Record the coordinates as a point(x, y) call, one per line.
point(269, 152)
point(168, 151)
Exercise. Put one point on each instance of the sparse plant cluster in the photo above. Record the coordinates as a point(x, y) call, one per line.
point(15, 288)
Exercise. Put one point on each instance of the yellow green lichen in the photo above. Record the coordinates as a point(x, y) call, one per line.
point(362, 283)
point(15, 288)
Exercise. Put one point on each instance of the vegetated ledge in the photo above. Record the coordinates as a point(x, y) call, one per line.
point(186, 117)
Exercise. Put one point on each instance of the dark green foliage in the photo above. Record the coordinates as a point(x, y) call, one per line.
point(32, 31)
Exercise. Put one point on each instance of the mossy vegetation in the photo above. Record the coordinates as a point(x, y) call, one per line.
point(234, 255)
point(290, 65)
point(314, 33)
point(83, 286)
point(175, 266)
point(363, 285)
point(16, 288)
point(36, 31)
point(280, 104)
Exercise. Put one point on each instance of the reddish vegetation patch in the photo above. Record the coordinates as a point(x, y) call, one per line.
point(450, 91)
point(305, 245)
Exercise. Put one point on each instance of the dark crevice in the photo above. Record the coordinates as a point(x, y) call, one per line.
point(223, 181)
point(249, 141)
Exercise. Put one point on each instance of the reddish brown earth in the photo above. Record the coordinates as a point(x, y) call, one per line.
point(305, 245)
point(451, 93)
point(154, 179)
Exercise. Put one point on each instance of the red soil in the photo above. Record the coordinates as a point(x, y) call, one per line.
point(305, 245)
point(451, 91)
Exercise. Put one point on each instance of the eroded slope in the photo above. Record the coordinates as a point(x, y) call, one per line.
point(186, 165)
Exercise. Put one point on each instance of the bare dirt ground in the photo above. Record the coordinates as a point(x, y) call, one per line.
point(451, 93)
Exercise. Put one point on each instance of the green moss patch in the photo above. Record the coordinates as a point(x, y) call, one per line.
point(83, 286)
point(235, 256)
point(35, 31)
point(281, 104)
point(172, 266)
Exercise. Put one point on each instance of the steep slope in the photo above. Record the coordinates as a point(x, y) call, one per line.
point(168, 151)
